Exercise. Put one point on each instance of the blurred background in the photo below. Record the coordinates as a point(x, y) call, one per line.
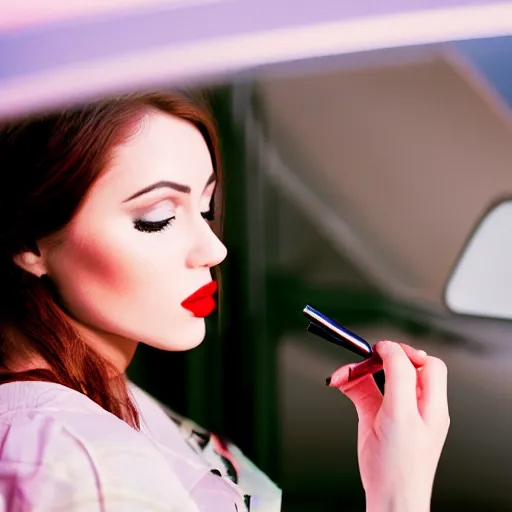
point(355, 170)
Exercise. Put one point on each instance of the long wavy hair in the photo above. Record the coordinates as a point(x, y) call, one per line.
point(48, 163)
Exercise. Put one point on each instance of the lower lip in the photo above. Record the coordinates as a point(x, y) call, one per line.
point(201, 307)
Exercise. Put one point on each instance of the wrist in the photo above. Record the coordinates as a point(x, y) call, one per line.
point(400, 501)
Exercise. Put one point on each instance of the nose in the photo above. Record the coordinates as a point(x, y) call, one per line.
point(208, 250)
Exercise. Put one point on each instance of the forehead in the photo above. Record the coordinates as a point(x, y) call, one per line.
point(162, 147)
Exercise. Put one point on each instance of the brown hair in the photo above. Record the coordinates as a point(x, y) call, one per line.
point(48, 164)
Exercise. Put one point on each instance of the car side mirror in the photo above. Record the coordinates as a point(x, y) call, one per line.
point(481, 281)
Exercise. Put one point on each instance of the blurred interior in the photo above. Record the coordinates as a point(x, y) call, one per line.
point(352, 184)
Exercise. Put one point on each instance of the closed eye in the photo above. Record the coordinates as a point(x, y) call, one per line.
point(153, 226)
point(209, 215)
point(157, 219)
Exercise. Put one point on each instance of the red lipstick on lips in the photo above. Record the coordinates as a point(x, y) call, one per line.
point(202, 303)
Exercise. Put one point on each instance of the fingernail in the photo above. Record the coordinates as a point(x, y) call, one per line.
point(382, 345)
point(328, 381)
point(422, 353)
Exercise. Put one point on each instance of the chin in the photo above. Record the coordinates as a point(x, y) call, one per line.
point(186, 338)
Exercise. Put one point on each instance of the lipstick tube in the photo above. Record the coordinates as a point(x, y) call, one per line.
point(329, 330)
point(368, 367)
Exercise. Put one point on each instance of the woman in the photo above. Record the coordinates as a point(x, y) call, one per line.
point(106, 243)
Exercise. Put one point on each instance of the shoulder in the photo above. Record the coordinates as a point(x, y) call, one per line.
point(59, 449)
point(61, 413)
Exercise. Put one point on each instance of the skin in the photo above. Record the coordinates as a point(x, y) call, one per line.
point(120, 285)
point(401, 434)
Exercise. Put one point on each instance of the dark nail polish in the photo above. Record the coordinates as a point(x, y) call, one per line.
point(327, 381)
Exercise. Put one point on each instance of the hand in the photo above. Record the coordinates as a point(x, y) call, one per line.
point(401, 434)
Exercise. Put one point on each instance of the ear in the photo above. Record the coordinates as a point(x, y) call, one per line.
point(31, 262)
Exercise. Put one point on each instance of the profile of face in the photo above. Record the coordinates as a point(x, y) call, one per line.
point(140, 243)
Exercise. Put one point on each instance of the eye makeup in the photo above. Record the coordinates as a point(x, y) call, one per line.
point(156, 219)
point(210, 214)
point(146, 226)
point(154, 214)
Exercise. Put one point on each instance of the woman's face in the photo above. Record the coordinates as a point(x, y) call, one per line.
point(140, 244)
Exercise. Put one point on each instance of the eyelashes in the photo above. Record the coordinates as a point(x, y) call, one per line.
point(155, 226)
point(209, 215)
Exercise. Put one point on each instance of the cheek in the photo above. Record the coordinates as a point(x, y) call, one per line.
point(130, 284)
point(96, 259)
point(115, 265)
point(92, 263)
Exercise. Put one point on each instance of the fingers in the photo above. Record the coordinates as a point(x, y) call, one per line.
point(402, 391)
point(364, 393)
point(433, 381)
point(401, 378)
point(418, 357)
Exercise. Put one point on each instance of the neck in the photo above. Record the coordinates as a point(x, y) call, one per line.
point(118, 350)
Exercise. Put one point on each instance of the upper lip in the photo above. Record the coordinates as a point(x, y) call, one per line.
point(207, 290)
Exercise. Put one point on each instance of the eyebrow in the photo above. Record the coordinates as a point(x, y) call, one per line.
point(184, 189)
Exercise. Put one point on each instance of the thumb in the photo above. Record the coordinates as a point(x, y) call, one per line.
point(363, 392)
point(401, 379)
